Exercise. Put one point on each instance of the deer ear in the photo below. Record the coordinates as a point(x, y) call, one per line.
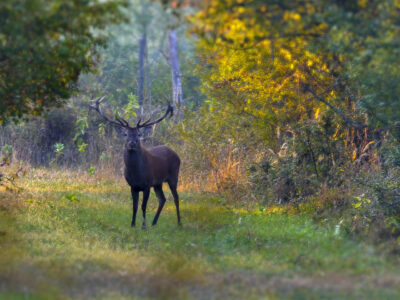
point(120, 131)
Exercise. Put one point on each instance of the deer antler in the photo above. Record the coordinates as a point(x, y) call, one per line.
point(119, 120)
point(169, 110)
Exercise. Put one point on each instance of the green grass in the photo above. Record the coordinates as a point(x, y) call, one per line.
point(70, 238)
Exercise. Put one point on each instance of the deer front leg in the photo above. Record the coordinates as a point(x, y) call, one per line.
point(135, 199)
point(146, 194)
point(161, 202)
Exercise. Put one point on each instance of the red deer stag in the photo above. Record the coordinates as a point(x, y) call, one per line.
point(146, 168)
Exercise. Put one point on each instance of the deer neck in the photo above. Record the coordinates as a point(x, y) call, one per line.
point(134, 157)
point(136, 163)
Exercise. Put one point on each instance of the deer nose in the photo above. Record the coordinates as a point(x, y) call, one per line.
point(132, 144)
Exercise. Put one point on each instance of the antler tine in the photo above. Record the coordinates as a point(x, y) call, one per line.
point(169, 110)
point(138, 122)
point(96, 107)
point(122, 120)
point(100, 100)
point(145, 123)
point(97, 102)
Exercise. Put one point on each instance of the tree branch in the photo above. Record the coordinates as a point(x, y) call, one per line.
point(337, 111)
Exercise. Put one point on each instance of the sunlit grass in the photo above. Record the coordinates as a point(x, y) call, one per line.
point(75, 241)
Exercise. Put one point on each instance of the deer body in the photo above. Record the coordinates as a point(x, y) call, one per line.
point(146, 168)
point(151, 167)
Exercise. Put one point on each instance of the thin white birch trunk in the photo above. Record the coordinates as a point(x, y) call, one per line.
point(142, 53)
point(175, 72)
point(142, 60)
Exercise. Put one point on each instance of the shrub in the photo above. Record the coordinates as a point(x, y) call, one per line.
point(307, 161)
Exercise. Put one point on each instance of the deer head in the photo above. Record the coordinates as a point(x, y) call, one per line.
point(130, 134)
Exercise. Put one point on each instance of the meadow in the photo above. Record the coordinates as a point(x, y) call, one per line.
point(67, 236)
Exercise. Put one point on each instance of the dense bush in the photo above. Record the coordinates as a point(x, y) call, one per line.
point(376, 208)
point(307, 160)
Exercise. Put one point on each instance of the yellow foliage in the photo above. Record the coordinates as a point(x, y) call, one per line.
point(316, 115)
point(260, 76)
point(354, 156)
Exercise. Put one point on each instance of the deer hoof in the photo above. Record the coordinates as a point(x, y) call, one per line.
point(144, 226)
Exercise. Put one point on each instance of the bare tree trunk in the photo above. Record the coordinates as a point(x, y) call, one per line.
point(175, 72)
point(142, 57)
point(149, 82)
point(142, 54)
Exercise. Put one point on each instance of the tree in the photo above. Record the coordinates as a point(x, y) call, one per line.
point(120, 75)
point(366, 37)
point(144, 20)
point(44, 46)
point(256, 61)
point(175, 10)
point(283, 61)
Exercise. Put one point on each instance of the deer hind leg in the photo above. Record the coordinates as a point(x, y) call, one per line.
point(146, 194)
point(161, 202)
point(135, 199)
point(174, 192)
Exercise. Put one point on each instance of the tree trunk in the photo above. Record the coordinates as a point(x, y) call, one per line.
point(142, 57)
point(143, 63)
point(176, 73)
point(148, 79)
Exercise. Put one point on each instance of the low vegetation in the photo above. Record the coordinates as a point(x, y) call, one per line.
point(67, 236)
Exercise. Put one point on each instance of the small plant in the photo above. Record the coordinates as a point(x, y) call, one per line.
point(59, 151)
point(361, 202)
point(6, 149)
point(101, 130)
point(72, 197)
point(59, 148)
point(132, 106)
point(91, 170)
point(7, 154)
point(81, 146)
point(81, 125)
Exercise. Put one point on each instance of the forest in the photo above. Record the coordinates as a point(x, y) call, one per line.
point(272, 127)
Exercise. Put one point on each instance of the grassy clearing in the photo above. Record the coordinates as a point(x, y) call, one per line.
point(69, 237)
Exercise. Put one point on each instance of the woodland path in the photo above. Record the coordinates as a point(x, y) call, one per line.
point(71, 239)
